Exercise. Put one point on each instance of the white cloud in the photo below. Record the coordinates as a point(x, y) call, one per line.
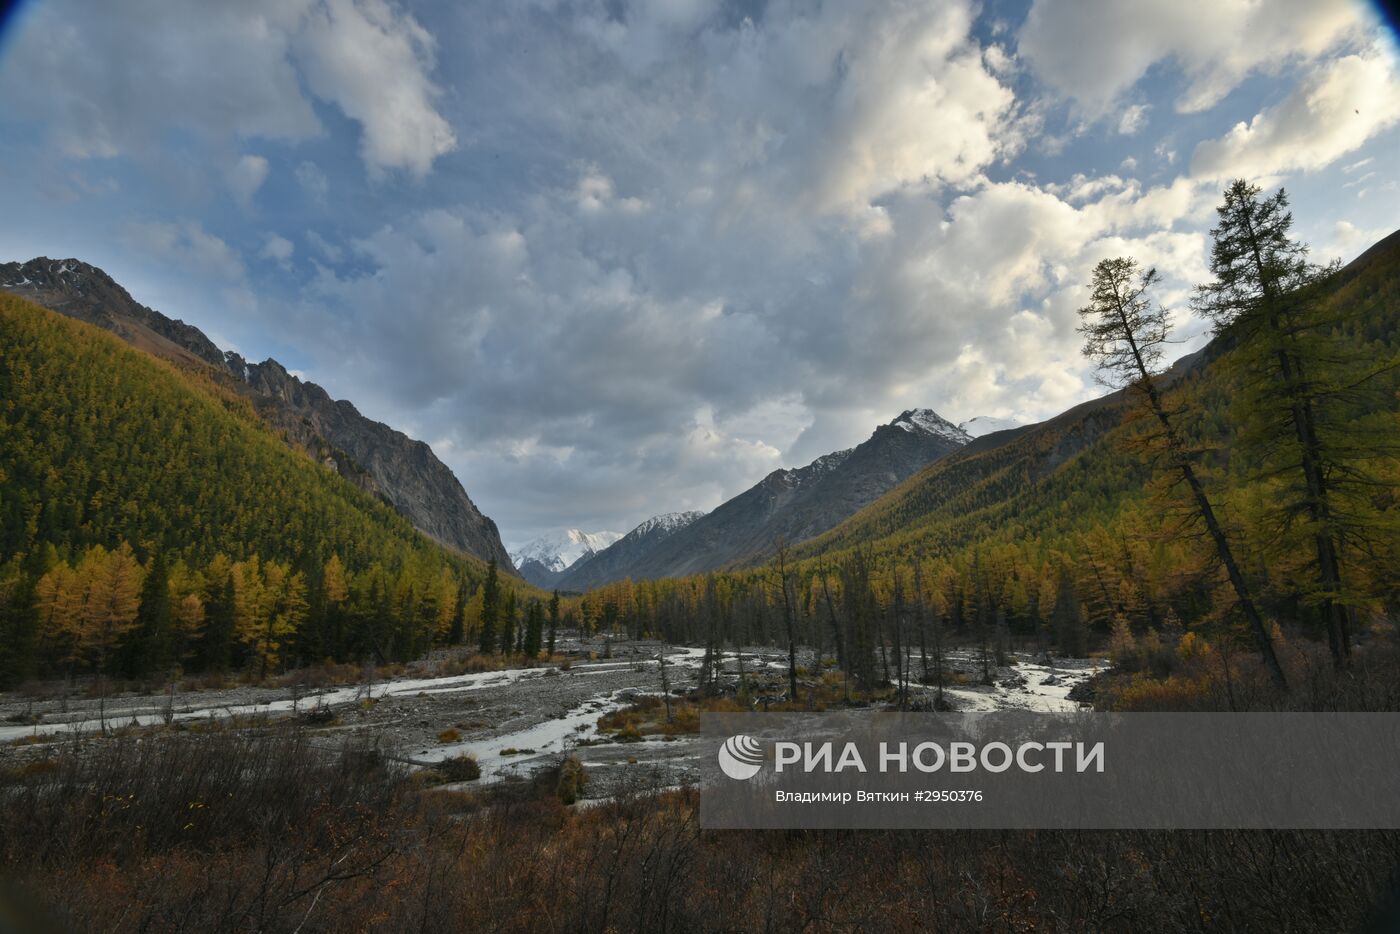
point(917, 105)
point(373, 62)
point(93, 73)
point(228, 70)
point(1348, 241)
point(245, 177)
point(1095, 50)
point(1132, 119)
point(278, 249)
point(1332, 112)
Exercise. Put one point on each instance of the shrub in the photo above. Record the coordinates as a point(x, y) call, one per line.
point(572, 778)
point(459, 769)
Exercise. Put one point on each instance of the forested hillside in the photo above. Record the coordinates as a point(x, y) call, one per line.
point(149, 518)
point(375, 457)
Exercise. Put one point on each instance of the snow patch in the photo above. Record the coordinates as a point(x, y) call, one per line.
point(930, 422)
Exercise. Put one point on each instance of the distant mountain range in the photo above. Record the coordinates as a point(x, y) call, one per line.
point(542, 561)
point(789, 505)
point(380, 460)
point(613, 563)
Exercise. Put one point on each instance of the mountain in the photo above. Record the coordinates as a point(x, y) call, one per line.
point(612, 563)
point(543, 560)
point(105, 444)
point(378, 459)
point(987, 424)
point(795, 505)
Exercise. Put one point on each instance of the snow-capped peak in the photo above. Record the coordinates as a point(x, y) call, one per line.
point(986, 424)
point(558, 551)
point(930, 422)
point(666, 522)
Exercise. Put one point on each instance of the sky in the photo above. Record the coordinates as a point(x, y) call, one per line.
point(614, 258)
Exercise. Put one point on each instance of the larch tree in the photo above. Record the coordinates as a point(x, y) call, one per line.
point(1268, 302)
point(1124, 333)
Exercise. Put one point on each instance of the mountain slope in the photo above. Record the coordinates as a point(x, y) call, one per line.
point(795, 505)
point(543, 560)
point(373, 456)
point(104, 444)
point(612, 563)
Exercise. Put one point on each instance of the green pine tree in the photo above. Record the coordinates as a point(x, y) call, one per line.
point(490, 608)
point(534, 627)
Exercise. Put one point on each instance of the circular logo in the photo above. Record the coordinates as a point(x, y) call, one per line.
point(741, 757)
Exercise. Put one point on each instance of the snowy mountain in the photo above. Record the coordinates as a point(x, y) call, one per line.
point(986, 424)
point(612, 563)
point(543, 560)
point(930, 422)
point(791, 505)
point(663, 525)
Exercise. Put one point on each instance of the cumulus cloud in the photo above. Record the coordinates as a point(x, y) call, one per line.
point(1332, 112)
point(373, 61)
point(229, 69)
point(1094, 50)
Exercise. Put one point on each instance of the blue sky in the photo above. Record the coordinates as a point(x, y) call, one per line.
point(618, 258)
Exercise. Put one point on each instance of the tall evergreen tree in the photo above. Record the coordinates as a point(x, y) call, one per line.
point(1267, 300)
point(150, 648)
point(490, 607)
point(534, 630)
point(459, 617)
point(1124, 332)
point(510, 639)
point(553, 620)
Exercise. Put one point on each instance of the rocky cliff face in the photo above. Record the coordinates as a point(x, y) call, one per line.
point(380, 460)
point(792, 505)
